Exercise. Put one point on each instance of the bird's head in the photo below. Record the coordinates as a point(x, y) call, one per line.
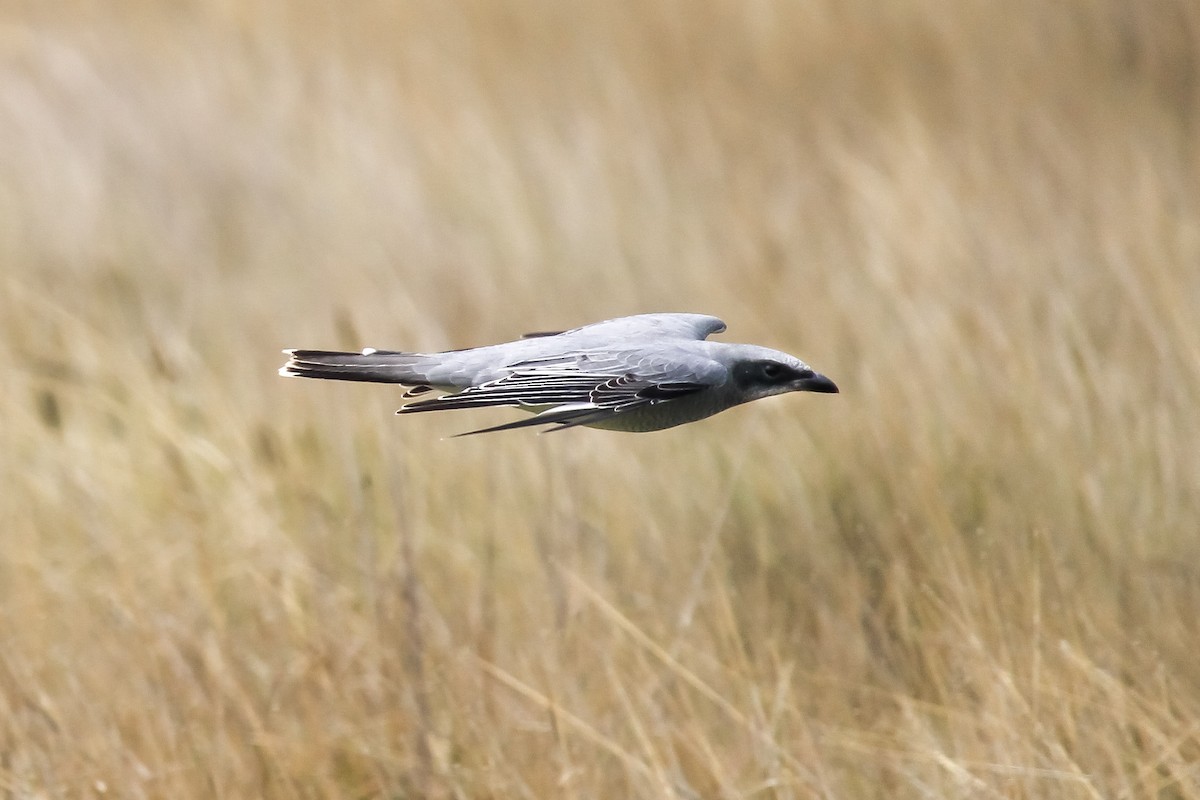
point(759, 372)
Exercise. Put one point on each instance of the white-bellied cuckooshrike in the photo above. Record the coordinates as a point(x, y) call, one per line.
point(639, 373)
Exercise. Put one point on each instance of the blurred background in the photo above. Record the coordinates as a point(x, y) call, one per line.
point(973, 573)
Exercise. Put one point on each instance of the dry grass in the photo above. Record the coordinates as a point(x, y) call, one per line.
point(975, 573)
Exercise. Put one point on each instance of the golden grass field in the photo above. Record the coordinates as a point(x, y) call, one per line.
point(975, 573)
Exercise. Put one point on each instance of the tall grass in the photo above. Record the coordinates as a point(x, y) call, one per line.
point(974, 573)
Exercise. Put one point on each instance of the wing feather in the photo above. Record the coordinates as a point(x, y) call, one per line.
point(572, 396)
point(564, 416)
point(520, 388)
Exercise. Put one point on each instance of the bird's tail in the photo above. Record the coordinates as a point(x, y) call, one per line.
point(375, 366)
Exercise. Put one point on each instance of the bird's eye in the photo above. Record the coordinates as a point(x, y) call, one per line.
point(771, 370)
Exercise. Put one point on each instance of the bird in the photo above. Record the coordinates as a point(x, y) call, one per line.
point(637, 373)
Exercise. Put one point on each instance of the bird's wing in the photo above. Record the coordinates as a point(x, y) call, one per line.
point(655, 327)
point(582, 392)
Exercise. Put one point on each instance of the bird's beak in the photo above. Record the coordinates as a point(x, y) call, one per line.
point(818, 383)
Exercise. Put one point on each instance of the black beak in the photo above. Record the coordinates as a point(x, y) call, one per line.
point(818, 383)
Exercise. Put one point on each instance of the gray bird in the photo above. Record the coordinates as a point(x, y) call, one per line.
point(639, 373)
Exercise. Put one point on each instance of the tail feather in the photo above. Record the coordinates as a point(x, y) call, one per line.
point(375, 366)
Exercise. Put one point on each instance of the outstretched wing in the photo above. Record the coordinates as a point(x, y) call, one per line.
point(568, 396)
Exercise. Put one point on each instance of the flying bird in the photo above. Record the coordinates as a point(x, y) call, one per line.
point(640, 373)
